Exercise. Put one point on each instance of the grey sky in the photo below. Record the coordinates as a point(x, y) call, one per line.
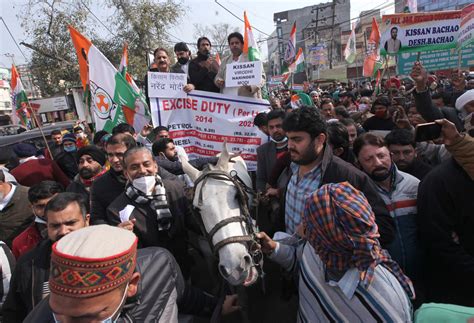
point(260, 14)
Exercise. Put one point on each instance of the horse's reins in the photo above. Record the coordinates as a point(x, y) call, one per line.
point(242, 189)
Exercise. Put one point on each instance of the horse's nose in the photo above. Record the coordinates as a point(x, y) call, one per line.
point(224, 272)
point(246, 262)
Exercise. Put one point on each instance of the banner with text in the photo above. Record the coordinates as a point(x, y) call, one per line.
point(436, 60)
point(201, 122)
point(419, 32)
point(466, 30)
point(241, 74)
point(166, 85)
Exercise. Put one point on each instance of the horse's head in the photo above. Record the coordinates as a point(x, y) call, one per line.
point(222, 202)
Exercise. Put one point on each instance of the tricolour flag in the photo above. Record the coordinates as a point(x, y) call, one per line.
point(372, 60)
point(82, 45)
point(218, 59)
point(123, 69)
point(250, 45)
point(350, 50)
point(20, 114)
point(114, 100)
point(298, 65)
point(291, 46)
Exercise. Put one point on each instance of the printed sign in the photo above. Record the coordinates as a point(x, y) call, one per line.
point(436, 60)
point(166, 85)
point(241, 74)
point(201, 122)
point(419, 32)
point(466, 31)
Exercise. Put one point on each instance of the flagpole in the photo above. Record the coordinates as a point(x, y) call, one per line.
point(40, 129)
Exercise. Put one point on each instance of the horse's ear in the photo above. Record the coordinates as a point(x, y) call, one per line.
point(223, 158)
point(188, 169)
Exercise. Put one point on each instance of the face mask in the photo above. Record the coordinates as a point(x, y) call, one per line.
point(363, 107)
point(183, 60)
point(70, 149)
point(380, 114)
point(145, 184)
point(285, 139)
point(112, 318)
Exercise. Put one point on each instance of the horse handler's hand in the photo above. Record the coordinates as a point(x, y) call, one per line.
point(230, 304)
point(267, 244)
point(128, 225)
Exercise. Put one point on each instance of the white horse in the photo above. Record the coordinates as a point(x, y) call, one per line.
point(216, 197)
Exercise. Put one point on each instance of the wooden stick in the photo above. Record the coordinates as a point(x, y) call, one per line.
point(41, 130)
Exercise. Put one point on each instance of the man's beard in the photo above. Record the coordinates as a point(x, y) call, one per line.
point(278, 137)
point(404, 165)
point(381, 173)
point(174, 158)
point(306, 157)
point(86, 173)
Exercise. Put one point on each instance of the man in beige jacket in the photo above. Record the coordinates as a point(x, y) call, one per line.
point(236, 44)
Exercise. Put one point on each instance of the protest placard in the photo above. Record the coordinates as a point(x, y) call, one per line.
point(419, 32)
point(166, 85)
point(241, 74)
point(436, 60)
point(201, 122)
point(466, 29)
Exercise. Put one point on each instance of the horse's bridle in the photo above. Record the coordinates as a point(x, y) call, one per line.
point(242, 190)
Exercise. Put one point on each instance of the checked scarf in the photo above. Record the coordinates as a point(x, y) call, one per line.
point(340, 225)
point(157, 202)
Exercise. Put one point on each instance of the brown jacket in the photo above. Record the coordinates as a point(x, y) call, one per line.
point(463, 152)
point(16, 216)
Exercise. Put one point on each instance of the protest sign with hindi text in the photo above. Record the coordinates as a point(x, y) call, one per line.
point(166, 85)
point(201, 123)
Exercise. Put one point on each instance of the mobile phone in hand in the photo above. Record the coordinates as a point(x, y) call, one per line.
point(427, 131)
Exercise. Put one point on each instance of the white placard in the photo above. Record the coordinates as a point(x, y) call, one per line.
point(204, 120)
point(166, 85)
point(240, 74)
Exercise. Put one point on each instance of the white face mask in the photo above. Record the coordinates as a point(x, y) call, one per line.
point(145, 184)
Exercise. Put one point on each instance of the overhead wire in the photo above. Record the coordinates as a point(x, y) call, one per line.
point(14, 40)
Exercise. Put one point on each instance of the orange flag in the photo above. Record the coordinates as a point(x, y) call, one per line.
point(82, 45)
point(218, 59)
point(372, 57)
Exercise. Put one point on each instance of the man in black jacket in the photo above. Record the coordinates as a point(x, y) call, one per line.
point(314, 165)
point(65, 213)
point(155, 209)
point(91, 161)
point(446, 223)
point(203, 69)
point(66, 159)
point(106, 189)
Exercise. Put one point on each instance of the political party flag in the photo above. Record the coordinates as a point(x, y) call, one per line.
point(291, 47)
point(82, 45)
point(377, 89)
point(20, 114)
point(350, 50)
point(250, 46)
point(123, 69)
point(218, 59)
point(298, 65)
point(372, 60)
point(113, 99)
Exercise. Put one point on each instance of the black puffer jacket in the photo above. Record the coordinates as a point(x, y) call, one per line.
point(28, 283)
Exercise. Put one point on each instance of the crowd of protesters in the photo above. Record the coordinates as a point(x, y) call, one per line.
point(368, 222)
